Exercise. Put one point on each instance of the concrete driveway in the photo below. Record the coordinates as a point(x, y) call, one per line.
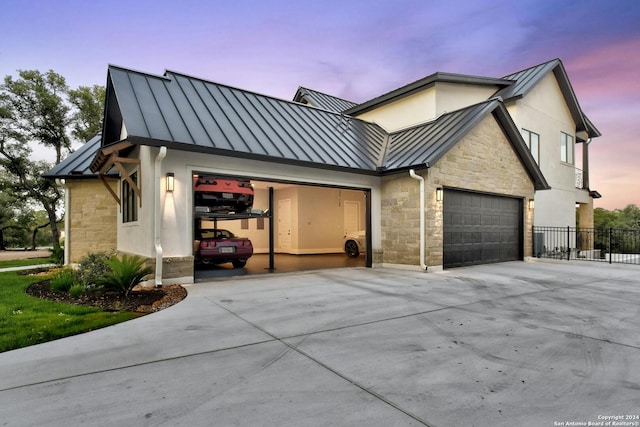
point(514, 344)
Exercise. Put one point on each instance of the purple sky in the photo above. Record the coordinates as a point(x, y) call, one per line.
point(353, 49)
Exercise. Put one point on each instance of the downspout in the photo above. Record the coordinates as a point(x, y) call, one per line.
point(67, 219)
point(158, 214)
point(413, 175)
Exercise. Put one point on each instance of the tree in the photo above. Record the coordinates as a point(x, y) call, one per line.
point(89, 102)
point(39, 108)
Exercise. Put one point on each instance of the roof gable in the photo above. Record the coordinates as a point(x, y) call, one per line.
point(424, 145)
point(187, 113)
point(525, 80)
point(424, 83)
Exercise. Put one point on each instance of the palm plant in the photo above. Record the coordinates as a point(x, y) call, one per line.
point(124, 273)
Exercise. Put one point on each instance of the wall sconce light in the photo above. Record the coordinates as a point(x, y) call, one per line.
point(531, 203)
point(170, 182)
point(439, 194)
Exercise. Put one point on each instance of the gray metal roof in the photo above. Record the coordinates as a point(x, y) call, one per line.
point(322, 100)
point(77, 164)
point(418, 85)
point(527, 79)
point(191, 114)
point(187, 113)
point(424, 145)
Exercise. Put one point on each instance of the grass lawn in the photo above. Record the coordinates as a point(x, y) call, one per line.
point(26, 320)
point(23, 262)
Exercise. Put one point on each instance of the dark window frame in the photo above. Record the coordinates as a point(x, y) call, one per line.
point(129, 200)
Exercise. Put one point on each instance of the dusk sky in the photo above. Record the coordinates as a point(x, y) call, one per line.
point(353, 49)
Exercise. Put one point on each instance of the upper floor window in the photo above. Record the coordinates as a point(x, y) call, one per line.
point(129, 200)
point(566, 148)
point(532, 140)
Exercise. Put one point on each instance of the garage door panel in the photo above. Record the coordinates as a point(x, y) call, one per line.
point(481, 228)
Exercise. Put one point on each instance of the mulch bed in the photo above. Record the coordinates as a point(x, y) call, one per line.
point(140, 300)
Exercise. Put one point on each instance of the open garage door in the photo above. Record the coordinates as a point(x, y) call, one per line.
point(290, 226)
point(481, 228)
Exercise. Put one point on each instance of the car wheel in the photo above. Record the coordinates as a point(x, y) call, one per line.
point(351, 248)
point(239, 263)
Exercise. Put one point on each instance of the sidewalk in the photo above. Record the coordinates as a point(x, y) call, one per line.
point(26, 267)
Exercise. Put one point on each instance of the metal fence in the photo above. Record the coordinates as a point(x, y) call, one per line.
point(588, 244)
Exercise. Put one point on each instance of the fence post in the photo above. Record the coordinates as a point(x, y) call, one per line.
point(568, 243)
point(610, 238)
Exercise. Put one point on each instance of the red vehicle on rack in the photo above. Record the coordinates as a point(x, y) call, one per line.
point(217, 246)
point(222, 195)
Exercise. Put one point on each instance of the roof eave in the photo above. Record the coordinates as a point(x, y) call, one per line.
point(425, 82)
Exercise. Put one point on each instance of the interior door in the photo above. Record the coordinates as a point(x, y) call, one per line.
point(284, 225)
point(351, 217)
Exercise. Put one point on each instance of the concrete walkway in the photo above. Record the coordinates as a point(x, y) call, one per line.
point(514, 344)
point(26, 267)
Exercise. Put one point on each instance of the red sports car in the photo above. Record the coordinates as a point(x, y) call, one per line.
point(223, 195)
point(216, 246)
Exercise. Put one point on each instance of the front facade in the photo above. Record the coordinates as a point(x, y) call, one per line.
point(437, 172)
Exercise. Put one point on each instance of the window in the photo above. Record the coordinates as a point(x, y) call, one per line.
point(532, 140)
point(566, 148)
point(129, 200)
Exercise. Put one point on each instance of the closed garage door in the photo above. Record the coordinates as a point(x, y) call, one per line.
point(481, 228)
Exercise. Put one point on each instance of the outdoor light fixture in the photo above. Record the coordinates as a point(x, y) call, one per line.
point(531, 203)
point(439, 194)
point(170, 182)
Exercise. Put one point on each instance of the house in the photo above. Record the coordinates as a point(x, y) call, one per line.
point(450, 170)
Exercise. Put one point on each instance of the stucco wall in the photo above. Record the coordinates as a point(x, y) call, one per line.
point(93, 215)
point(545, 112)
point(482, 161)
point(411, 110)
point(427, 104)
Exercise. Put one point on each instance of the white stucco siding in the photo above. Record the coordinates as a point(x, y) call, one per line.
point(408, 111)
point(544, 111)
point(137, 237)
point(451, 97)
point(177, 207)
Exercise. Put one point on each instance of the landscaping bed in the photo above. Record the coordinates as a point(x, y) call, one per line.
point(139, 300)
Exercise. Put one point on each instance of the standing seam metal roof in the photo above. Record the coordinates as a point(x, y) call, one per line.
point(323, 100)
point(525, 80)
point(178, 110)
point(191, 114)
point(78, 163)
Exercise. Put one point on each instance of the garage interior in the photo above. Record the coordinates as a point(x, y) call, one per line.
point(310, 223)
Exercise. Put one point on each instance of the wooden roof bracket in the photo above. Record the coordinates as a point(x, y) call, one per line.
point(116, 161)
point(103, 178)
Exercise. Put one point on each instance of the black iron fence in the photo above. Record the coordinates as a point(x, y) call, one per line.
point(589, 244)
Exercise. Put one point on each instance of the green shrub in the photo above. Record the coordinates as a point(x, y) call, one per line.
point(76, 290)
point(92, 269)
point(63, 281)
point(125, 273)
point(57, 256)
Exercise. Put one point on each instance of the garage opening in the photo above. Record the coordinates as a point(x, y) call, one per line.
point(481, 228)
point(246, 226)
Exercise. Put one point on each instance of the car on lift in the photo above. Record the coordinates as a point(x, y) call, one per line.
point(218, 246)
point(222, 195)
point(355, 243)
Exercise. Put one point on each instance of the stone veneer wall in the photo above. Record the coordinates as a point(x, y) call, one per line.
point(93, 217)
point(482, 161)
